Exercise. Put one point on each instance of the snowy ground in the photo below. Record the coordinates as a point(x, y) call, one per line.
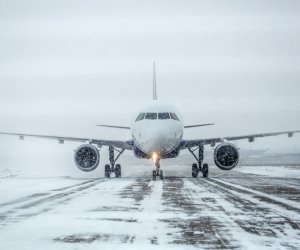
point(247, 208)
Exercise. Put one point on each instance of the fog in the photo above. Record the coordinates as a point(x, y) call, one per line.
point(67, 65)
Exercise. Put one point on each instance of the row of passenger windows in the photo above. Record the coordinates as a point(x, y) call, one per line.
point(154, 116)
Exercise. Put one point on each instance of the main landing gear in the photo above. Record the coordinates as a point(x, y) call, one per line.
point(157, 173)
point(200, 166)
point(110, 168)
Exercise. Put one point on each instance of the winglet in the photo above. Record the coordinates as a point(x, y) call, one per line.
point(154, 83)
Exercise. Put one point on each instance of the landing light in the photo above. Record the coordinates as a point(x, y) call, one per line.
point(154, 156)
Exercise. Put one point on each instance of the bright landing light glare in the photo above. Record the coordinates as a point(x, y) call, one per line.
point(154, 156)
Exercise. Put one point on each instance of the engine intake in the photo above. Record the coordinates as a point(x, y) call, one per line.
point(226, 156)
point(87, 157)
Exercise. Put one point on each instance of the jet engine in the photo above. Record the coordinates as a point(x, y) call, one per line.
point(226, 156)
point(87, 157)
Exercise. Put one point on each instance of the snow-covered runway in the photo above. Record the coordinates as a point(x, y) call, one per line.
point(226, 211)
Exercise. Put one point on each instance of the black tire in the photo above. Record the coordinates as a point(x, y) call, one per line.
point(154, 175)
point(195, 170)
point(205, 170)
point(118, 171)
point(107, 171)
point(161, 174)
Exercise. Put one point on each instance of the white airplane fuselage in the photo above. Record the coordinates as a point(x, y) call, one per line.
point(158, 131)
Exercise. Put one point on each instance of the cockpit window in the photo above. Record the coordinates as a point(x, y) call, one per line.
point(174, 116)
point(141, 116)
point(151, 116)
point(163, 116)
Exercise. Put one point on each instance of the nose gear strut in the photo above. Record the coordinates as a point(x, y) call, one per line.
point(157, 173)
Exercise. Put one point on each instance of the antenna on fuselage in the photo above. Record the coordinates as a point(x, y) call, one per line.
point(154, 83)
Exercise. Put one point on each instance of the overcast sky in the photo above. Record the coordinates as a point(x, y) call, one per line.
point(67, 65)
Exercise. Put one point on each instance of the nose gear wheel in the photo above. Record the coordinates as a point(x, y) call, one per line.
point(157, 173)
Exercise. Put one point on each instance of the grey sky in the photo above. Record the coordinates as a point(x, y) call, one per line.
point(67, 65)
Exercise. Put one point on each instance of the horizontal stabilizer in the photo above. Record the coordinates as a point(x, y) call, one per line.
point(112, 126)
point(199, 125)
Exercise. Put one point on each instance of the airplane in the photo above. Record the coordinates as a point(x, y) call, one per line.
point(156, 133)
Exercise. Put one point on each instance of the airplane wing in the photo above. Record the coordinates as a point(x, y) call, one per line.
point(212, 141)
point(199, 125)
point(112, 126)
point(118, 144)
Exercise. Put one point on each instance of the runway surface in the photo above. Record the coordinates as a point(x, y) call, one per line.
point(226, 211)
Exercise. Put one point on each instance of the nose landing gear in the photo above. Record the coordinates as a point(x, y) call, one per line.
point(157, 173)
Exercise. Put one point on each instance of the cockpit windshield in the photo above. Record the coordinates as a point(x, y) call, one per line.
point(141, 116)
point(154, 116)
point(151, 116)
point(163, 116)
point(174, 116)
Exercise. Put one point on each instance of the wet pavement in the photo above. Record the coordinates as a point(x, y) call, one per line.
point(234, 211)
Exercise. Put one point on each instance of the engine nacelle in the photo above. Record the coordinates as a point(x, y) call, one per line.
point(87, 157)
point(226, 156)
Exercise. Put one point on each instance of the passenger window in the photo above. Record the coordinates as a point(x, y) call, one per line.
point(140, 117)
point(174, 116)
point(163, 116)
point(151, 116)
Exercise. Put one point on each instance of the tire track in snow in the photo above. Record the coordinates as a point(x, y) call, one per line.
point(285, 188)
point(262, 197)
point(39, 195)
point(147, 205)
point(150, 230)
point(188, 220)
point(37, 205)
point(133, 215)
point(257, 219)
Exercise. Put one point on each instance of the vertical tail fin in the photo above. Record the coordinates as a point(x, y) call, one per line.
point(154, 83)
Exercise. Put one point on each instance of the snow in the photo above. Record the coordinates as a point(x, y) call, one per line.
point(274, 171)
point(224, 211)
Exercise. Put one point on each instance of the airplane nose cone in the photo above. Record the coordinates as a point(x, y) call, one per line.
point(160, 139)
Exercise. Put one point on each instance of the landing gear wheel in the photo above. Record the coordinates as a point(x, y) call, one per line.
point(205, 170)
point(107, 171)
point(154, 175)
point(118, 171)
point(161, 174)
point(195, 170)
